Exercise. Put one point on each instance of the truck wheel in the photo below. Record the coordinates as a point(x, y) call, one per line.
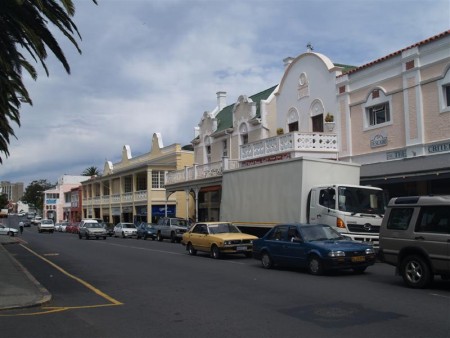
point(173, 238)
point(415, 272)
point(159, 237)
point(315, 265)
point(266, 261)
point(191, 250)
point(215, 253)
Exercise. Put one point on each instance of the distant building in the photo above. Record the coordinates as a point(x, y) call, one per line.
point(57, 201)
point(14, 191)
point(133, 189)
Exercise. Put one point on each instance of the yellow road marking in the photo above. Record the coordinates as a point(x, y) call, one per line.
point(79, 280)
point(58, 309)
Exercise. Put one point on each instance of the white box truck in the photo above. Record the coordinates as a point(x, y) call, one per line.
point(303, 190)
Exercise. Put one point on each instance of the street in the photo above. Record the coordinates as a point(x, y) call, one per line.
point(134, 288)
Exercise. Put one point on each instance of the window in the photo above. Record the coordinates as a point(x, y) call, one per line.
point(434, 220)
point(399, 218)
point(224, 148)
point(244, 138)
point(378, 114)
point(208, 154)
point(293, 126)
point(127, 184)
point(157, 179)
point(141, 181)
point(444, 93)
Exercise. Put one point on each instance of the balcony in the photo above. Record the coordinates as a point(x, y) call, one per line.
point(321, 145)
point(295, 144)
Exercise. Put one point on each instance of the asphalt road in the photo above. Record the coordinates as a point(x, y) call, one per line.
point(134, 288)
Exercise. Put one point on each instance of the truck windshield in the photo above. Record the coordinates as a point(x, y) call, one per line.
point(361, 200)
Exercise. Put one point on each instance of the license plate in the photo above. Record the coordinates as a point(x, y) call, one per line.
point(241, 248)
point(358, 259)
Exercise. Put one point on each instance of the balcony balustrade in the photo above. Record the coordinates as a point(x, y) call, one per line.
point(321, 145)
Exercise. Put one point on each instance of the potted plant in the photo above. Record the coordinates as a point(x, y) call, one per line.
point(329, 122)
point(280, 131)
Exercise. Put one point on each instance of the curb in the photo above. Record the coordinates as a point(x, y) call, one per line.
point(44, 297)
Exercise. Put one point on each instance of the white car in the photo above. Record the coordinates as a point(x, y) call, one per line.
point(125, 230)
point(46, 225)
point(4, 230)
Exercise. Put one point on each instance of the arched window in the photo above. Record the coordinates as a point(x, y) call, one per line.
point(292, 120)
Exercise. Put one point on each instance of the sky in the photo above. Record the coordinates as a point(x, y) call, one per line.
point(155, 66)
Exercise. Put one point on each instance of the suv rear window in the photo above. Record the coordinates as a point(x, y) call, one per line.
point(399, 218)
point(434, 219)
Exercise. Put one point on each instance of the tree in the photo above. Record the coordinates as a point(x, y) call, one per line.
point(34, 193)
point(91, 171)
point(24, 27)
point(3, 201)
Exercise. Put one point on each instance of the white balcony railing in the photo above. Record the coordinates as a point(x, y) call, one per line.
point(322, 145)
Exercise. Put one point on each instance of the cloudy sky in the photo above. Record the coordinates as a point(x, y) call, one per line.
point(155, 66)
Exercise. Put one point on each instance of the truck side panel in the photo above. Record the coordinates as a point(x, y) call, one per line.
point(277, 192)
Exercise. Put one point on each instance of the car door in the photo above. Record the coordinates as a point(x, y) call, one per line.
point(276, 244)
point(295, 248)
point(432, 234)
point(198, 237)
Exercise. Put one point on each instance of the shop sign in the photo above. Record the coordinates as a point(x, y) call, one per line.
point(439, 148)
point(379, 140)
point(50, 201)
point(394, 155)
point(160, 210)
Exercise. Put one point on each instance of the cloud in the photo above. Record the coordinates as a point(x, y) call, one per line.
point(155, 66)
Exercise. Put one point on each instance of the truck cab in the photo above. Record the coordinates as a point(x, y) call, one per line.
point(354, 211)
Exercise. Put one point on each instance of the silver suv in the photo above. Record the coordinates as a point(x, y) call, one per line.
point(415, 237)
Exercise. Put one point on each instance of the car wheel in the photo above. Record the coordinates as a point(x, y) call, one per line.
point(191, 250)
point(123, 235)
point(104, 237)
point(144, 237)
point(415, 272)
point(215, 253)
point(266, 261)
point(159, 237)
point(86, 236)
point(79, 236)
point(315, 265)
point(173, 238)
point(10, 233)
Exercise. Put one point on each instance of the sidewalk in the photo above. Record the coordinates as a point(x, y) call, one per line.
point(18, 288)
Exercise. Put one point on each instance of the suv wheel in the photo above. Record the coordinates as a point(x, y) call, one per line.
point(415, 272)
point(173, 237)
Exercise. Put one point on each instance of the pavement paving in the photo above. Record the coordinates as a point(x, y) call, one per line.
point(18, 288)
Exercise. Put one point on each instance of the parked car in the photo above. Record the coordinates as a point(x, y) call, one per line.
point(36, 220)
point(415, 238)
point(146, 230)
point(4, 230)
point(109, 228)
point(217, 238)
point(317, 247)
point(171, 228)
point(91, 229)
point(61, 226)
point(125, 230)
point(46, 225)
point(73, 227)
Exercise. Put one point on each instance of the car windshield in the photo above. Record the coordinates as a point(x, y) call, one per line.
point(47, 221)
point(129, 226)
point(319, 233)
point(360, 200)
point(222, 228)
point(94, 225)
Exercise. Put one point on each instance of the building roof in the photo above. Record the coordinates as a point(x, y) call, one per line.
point(384, 58)
point(225, 116)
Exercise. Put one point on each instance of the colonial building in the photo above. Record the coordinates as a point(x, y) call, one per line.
point(391, 115)
point(133, 190)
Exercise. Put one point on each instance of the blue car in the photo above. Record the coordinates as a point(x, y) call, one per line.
point(146, 230)
point(317, 247)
